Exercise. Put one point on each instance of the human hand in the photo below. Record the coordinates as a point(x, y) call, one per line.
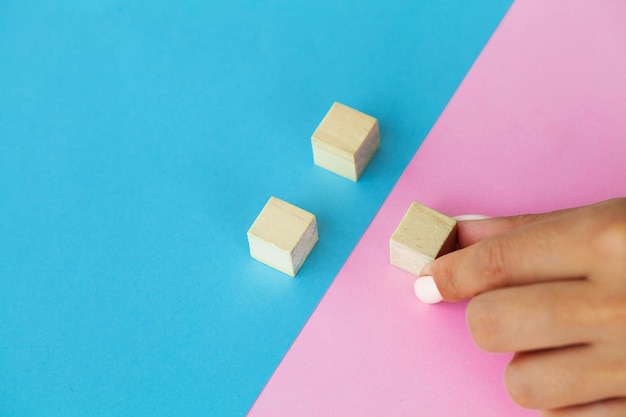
point(552, 289)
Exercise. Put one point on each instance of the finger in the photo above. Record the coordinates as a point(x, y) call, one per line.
point(565, 377)
point(546, 250)
point(533, 317)
point(472, 229)
point(615, 407)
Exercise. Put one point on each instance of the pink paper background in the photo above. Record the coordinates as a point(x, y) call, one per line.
point(538, 124)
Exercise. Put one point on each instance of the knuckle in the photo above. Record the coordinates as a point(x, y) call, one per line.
point(449, 287)
point(452, 291)
point(493, 263)
point(610, 240)
point(518, 385)
point(484, 324)
point(613, 241)
point(610, 313)
point(619, 314)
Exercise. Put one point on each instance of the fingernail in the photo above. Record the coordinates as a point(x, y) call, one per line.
point(465, 217)
point(427, 291)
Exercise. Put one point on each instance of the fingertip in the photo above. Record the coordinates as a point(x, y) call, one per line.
point(443, 274)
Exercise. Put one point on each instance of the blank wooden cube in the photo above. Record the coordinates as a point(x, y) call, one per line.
point(345, 141)
point(423, 235)
point(282, 236)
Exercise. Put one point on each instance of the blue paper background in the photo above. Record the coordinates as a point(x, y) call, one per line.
point(138, 142)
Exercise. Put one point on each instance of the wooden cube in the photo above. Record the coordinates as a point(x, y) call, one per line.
point(423, 235)
point(345, 141)
point(282, 236)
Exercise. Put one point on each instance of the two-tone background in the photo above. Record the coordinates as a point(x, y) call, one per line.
point(139, 140)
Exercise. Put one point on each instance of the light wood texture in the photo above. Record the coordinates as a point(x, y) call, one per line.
point(423, 235)
point(345, 141)
point(282, 236)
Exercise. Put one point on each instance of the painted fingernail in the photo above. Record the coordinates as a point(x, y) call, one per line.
point(465, 217)
point(426, 290)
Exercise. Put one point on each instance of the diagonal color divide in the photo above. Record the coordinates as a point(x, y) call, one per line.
point(536, 125)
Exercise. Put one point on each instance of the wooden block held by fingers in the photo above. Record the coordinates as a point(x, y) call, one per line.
point(423, 235)
point(282, 236)
point(345, 141)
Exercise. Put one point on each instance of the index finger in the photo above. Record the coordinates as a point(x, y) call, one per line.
point(545, 250)
point(473, 229)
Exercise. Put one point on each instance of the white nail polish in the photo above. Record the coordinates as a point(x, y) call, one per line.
point(426, 290)
point(465, 217)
